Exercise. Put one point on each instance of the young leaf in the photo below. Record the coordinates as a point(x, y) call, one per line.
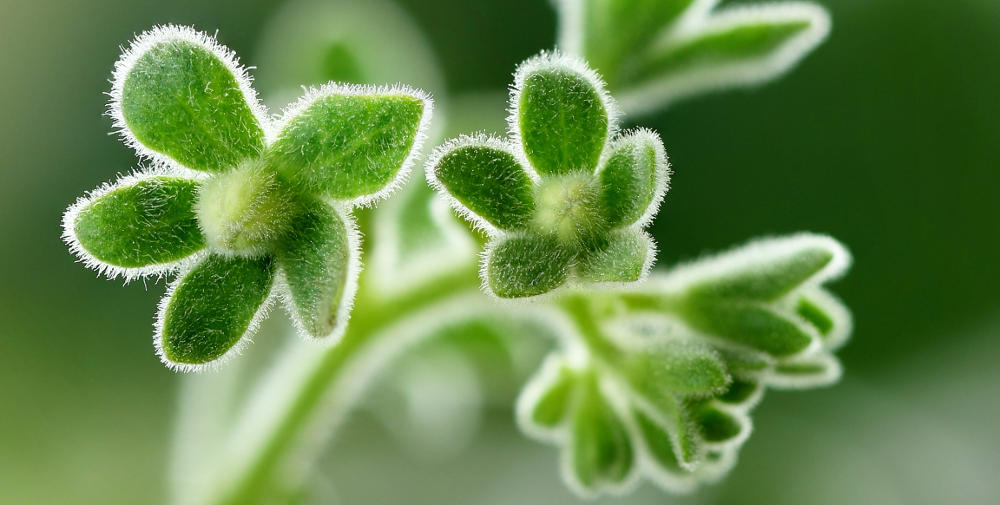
point(601, 451)
point(553, 404)
point(611, 30)
point(624, 256)
point(179, 95)
point(654, 52)
point(561, 113)
point(212, 308)
point(634, 178)
point(135, 225)
point(487, 180)
point(317, 261)
point(527, 265)
point(676, 367)
point(347, 142)
point(767, 278)
point(750, 325)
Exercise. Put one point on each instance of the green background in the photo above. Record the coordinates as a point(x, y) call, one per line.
point(887, 138)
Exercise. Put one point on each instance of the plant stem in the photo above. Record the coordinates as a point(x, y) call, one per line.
point(377, 334)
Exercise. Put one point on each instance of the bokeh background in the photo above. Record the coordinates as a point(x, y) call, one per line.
point(887, 137)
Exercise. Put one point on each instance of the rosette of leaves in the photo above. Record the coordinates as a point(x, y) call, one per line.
point(243, 207)
point(665, 374)
point(654, 52)
point(565, 199)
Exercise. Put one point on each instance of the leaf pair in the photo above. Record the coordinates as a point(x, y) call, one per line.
point(653, 52)
point(242, 205)
point(565, 197)
point(664, 390)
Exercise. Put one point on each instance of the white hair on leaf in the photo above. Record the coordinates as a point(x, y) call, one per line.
point(145, 41)
point(241, 344)
point(312, 94)
point(347, 297)
point(557, 60)
point(114, 271)
point(475, 140)
point(661, 92)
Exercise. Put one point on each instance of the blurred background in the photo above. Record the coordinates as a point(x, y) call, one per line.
point(887, 137)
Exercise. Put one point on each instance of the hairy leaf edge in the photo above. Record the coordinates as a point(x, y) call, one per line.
point(312, 94)
point(163, 33)
point(700, 21)
point(241, 344)
point(556, 59)
point(346, 304)
point(108, 270)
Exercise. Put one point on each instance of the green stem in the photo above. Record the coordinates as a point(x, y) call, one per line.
point(371, 321)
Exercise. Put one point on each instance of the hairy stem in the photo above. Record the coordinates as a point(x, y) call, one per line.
point(380, 330)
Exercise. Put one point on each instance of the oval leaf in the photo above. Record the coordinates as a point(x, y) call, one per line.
point(349, 142)
point(147, 223)
point(212, 308)
point(316, 259)
point(561, 115)
point(489, 182)
point(526, 265)
point(181, 96)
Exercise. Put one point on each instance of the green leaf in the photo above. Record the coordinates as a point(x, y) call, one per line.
point(554, 403)
point(183, 96)
point(316, 260)
point(767, 278)
point(659, 444)
point(601, 450)
point(212, 307)
point(748, 324)
point(349, 142)
point(814, 313)
point(676, 367)
point(142, 224)
point(740, 392)
point(717, 425)
point(811, 371)
point(526, 265)
point(739, 43)
point(623, 256)
point(633, 178)
point(561, 115)
point(488, 181)
point(614, 30)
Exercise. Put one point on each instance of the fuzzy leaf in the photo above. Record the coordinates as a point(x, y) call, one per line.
point(659, 444)
point(749, 324)
point(315, 258)
point(489, 182)
point(816, 315)
point(752, 40)
point(620, 258)
point(629, 178)
point(614, 29)
point(212, 307)
point(767, 278)
point(676, 368)
point(182, 100)
point(150, 222)
point(527, 265)
point(345, 144)
point(561, 118)
point(555, 402)
point(601, 450)
point(716, 425)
